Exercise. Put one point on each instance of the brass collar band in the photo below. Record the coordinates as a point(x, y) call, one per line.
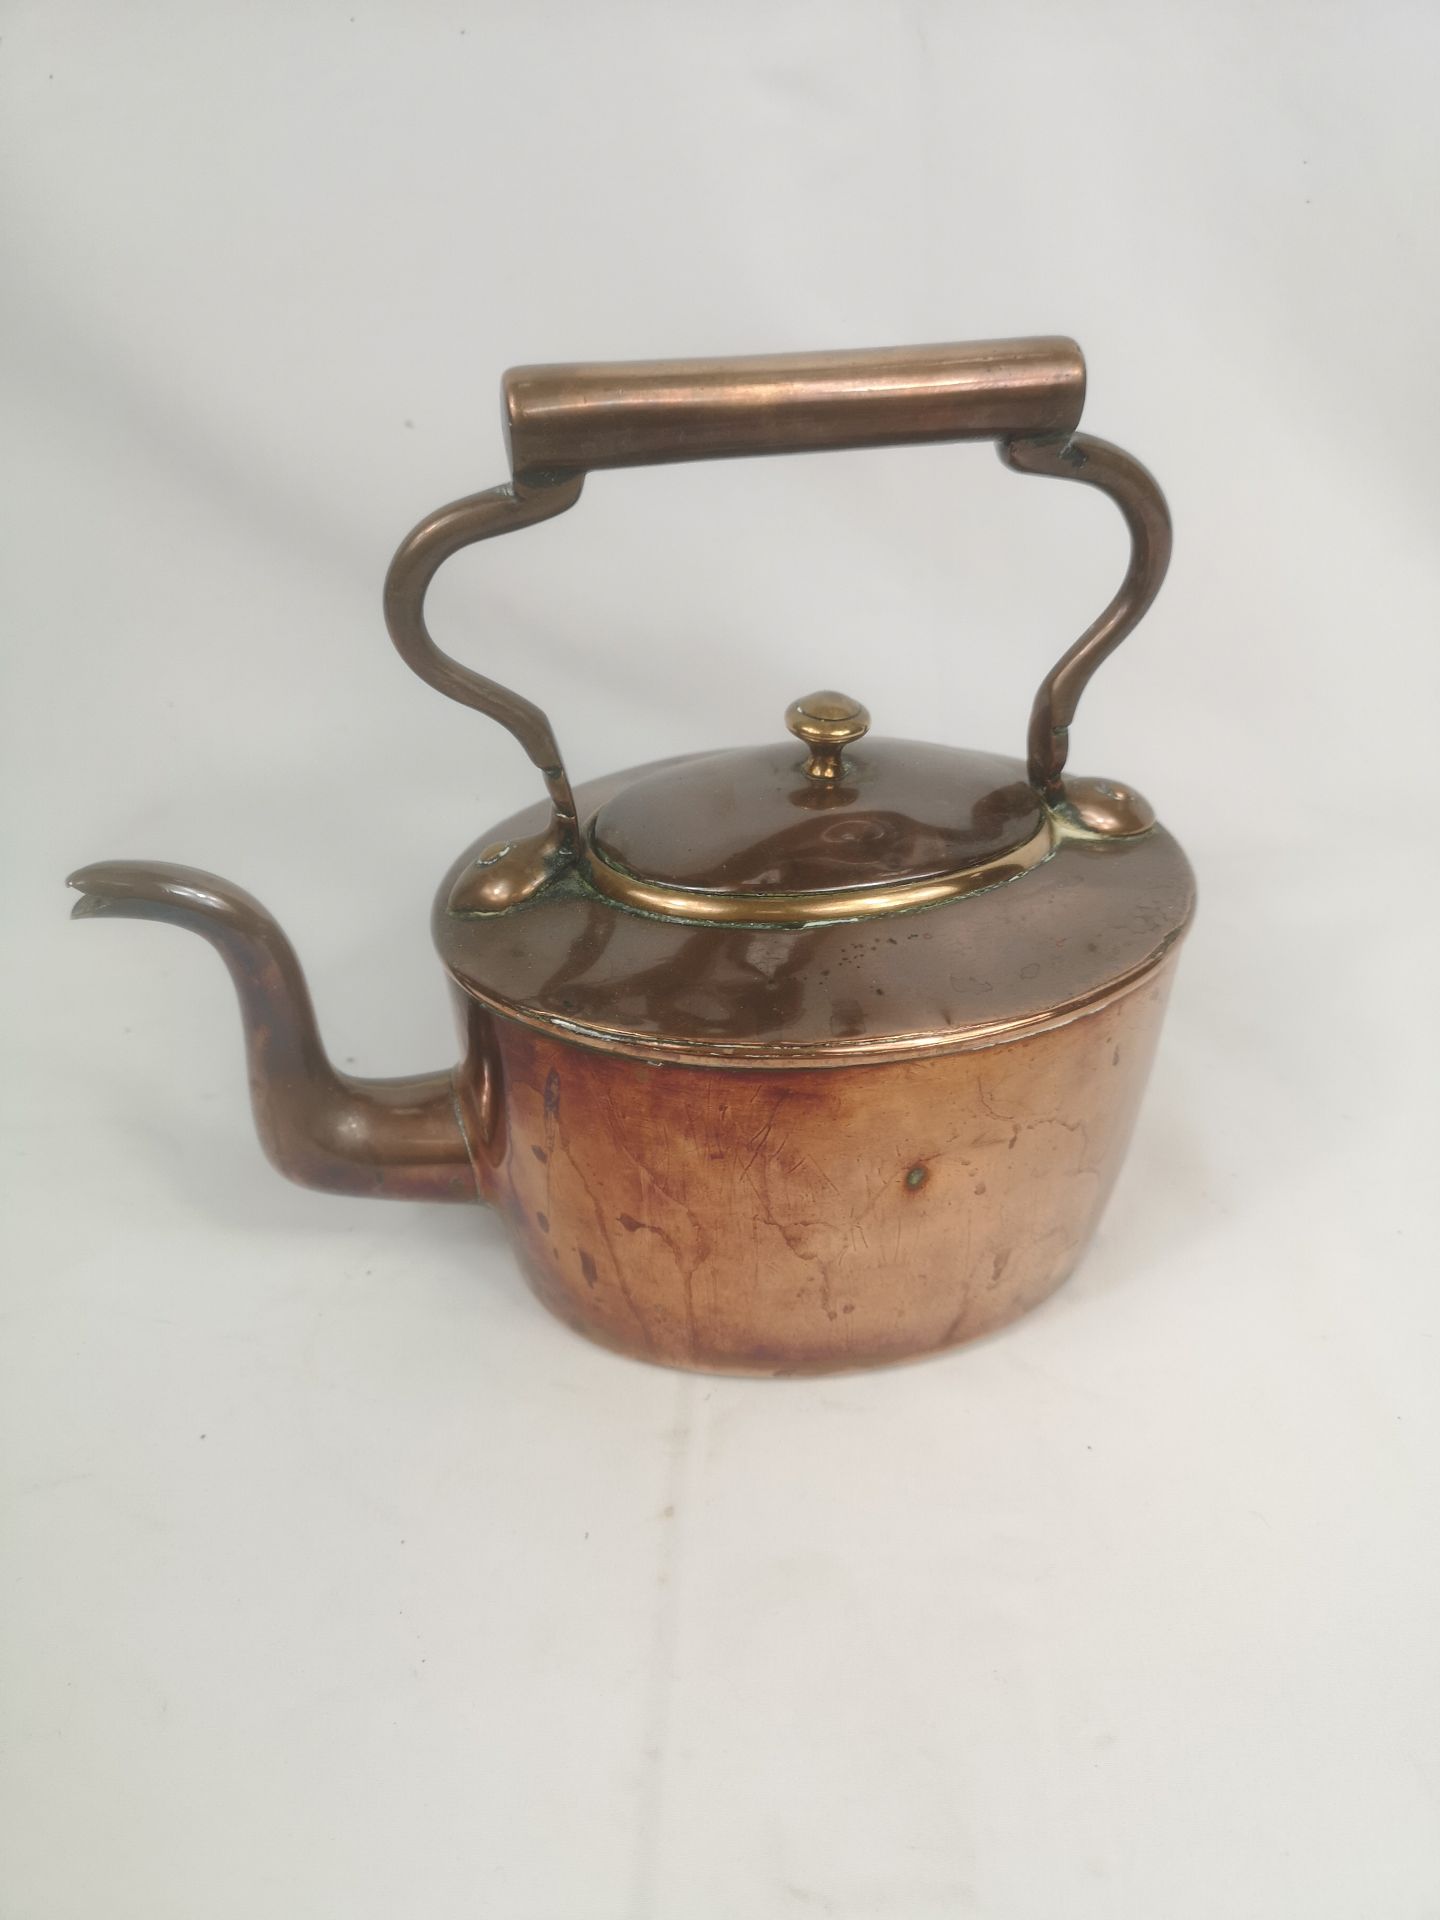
point(805, 909)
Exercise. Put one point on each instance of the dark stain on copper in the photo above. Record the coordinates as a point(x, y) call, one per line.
point(587, 1267)
point(540, 1154)
point(542, 1220)
point(552, 1093)
point(630, 1223)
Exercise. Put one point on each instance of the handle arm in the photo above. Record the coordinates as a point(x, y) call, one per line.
point(516, 872)
point(563, 421)
point(1095, 463)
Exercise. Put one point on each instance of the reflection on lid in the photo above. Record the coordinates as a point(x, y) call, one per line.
point(727, 822)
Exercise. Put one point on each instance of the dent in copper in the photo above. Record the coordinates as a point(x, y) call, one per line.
point(813, 1220)
point(397, 1139)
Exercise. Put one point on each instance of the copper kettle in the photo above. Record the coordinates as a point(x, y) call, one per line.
point(798, 1057)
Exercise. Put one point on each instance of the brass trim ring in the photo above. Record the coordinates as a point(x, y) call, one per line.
point(803, 909)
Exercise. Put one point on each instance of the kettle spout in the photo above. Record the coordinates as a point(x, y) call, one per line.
point(402, 1139)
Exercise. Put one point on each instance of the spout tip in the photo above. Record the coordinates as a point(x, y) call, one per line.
point(153, 889)
point(91, 885)
point(120, 887)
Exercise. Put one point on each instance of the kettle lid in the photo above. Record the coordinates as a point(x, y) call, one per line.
point(830, 825)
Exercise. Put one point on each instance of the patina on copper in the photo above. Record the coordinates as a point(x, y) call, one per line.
point(793, 1221)
point(783, 1059)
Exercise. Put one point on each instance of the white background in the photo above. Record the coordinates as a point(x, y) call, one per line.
point(339, 1579)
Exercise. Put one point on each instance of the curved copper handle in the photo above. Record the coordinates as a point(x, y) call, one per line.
point(514, 873)
point(1095, 463)
point(564, 421)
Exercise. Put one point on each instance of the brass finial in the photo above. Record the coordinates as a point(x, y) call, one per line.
point(827, 722)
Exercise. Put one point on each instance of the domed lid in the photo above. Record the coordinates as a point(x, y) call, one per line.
point(830, 826)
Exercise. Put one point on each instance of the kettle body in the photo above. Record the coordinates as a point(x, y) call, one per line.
point(788, 1059)
point(744, 1220)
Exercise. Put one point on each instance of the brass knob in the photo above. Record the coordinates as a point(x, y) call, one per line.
point(827, 722)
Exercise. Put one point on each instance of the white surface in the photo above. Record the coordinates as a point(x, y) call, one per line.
point(341, 1580)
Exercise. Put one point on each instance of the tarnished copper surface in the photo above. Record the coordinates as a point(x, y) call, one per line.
point(397, 1139)
point(806, 1222)
point(1086, 922)
point(711, 1217)
point(562, 421)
